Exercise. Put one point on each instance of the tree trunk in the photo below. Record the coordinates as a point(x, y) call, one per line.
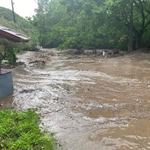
point(148, 44)
point(14, 57)
point(138, 39)
point(131, 28)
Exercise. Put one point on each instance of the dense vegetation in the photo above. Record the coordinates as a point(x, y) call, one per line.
point(122, 24)
point(9, 49)
point(21, 131)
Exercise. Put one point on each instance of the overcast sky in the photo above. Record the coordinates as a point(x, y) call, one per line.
point(22, 7)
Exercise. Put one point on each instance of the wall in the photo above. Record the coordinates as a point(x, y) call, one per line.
point(6, 84)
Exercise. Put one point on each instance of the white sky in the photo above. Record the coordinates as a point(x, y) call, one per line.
point(22, 7)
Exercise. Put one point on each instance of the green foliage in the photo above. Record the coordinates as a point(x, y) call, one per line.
point(122, 43)
point(31, 47)
point(21, 131)
point(9, 50)
point(91, 23)
point(12, 56)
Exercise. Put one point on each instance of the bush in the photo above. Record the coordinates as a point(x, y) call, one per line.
point(21, 131)
point(31, 47)
point(12, 57)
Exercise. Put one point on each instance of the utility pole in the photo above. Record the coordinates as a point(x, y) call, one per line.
point(13, 11)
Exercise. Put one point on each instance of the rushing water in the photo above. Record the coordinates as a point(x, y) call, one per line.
point(96, 104)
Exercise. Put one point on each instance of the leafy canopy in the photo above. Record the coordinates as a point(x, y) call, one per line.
point(92, 23)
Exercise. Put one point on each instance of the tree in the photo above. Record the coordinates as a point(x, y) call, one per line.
point(9, 51)
point(120, 12)
point(93, 23)
point(131, 27)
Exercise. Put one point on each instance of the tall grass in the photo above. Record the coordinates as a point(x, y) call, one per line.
point(20, 131)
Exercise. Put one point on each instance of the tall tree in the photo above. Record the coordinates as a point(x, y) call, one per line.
point(131, 27)
point(93, 23)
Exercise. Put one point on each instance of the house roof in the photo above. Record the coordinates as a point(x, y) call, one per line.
point(12, 35)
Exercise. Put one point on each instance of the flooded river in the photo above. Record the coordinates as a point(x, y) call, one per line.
point(89, 103)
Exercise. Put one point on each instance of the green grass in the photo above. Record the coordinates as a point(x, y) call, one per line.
point(20, 131)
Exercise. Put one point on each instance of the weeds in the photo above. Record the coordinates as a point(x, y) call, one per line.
point(20, 131)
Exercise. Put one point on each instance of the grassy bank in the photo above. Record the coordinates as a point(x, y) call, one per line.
point(20, 131)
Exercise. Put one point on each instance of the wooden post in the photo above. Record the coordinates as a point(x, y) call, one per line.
point(13, 11)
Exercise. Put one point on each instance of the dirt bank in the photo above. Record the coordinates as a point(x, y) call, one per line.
point(88, 101)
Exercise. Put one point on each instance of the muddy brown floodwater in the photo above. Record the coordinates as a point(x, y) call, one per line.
point(89, 103)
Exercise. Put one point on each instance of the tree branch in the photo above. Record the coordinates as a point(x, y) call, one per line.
point(146, 25)
point(143, 15)
point(2, 55)
point(148, 12)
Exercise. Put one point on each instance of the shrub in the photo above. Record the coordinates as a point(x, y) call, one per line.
point(21, 131)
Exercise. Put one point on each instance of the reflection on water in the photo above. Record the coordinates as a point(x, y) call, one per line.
point(89, 104)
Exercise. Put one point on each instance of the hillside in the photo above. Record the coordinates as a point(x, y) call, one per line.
point(21, 25)
point(9, 49)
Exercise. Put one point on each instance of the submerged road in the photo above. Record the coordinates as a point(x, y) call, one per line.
point(90, 104)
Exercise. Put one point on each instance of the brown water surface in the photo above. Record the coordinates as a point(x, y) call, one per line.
point(90, 104)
